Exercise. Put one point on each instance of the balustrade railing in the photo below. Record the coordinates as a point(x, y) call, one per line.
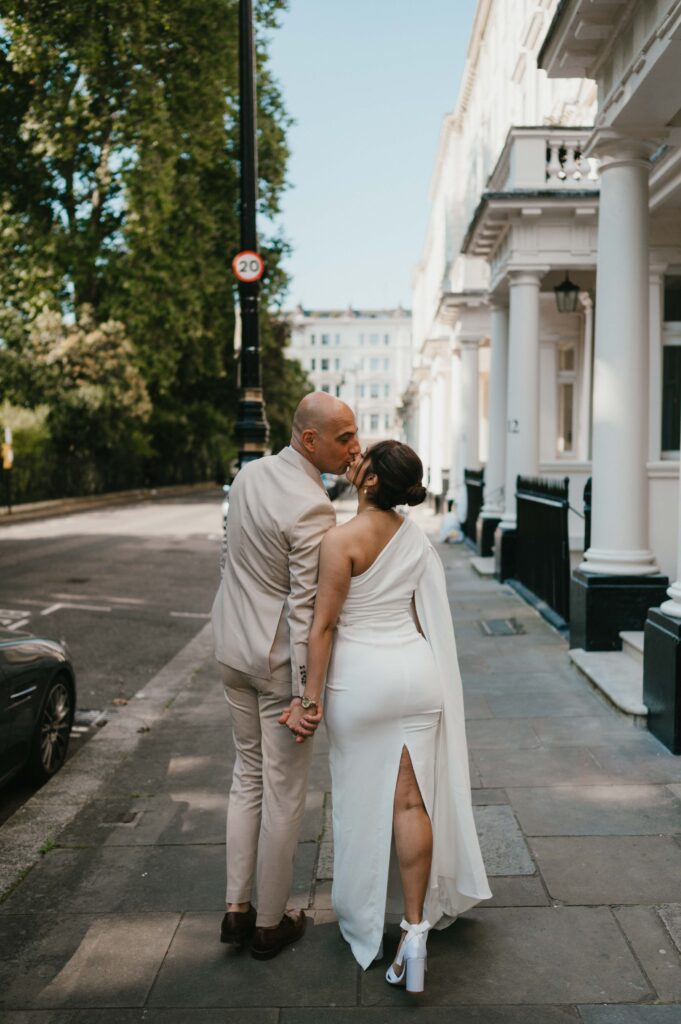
point(566, 165)
point(474, 479)
point(542, 541)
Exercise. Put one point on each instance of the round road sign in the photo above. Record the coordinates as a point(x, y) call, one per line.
point(248, 266)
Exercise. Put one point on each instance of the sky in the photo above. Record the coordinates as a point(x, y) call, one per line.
point(368, 83)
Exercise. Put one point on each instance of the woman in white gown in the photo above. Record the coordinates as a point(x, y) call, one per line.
point(404, 836)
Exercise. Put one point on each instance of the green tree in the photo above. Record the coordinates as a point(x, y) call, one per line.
point(119, 206)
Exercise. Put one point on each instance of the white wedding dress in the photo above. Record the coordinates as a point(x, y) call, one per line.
point(390, 687)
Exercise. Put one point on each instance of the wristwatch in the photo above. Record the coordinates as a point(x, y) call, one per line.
point(306, 703)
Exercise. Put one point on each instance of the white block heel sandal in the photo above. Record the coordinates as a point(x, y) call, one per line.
point(411, 957)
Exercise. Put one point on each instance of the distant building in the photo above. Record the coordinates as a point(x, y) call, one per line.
point(361, 356)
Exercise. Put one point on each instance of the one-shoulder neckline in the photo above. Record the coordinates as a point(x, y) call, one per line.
point(385, 547)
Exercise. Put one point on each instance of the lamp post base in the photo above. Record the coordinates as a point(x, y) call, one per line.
point(601, 606)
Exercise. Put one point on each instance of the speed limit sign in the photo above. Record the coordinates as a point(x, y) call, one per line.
point(248, 266)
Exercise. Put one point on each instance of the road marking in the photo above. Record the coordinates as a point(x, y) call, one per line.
point(75, 607)
point(9, 617)
point(190, 615)
point(18, 624)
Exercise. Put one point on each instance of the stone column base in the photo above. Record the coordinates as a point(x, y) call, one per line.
point(504, 551)
point(601, 606)
point(662, 678)
point(485, 529)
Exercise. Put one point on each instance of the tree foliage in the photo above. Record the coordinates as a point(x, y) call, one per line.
point(118, 220)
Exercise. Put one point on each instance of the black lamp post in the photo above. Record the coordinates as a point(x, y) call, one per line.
point(252, 428)
point(566, 295)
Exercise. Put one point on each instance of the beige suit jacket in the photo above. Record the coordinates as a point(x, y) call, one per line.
point(278, 514)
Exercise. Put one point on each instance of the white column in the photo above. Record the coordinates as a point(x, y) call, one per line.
point(522, 415)
point(656, 316)
point(495, 470)
point(619, 518)
point(470, 404)
point(455, 467)
point(548, 406)
point(424, 428)
point(438, 444)
point(586, 382)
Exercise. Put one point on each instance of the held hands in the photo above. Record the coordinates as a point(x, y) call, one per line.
point(301, 723)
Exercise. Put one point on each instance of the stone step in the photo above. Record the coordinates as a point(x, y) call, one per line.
point(632, 643)
point(483, 566)
point(617, 675)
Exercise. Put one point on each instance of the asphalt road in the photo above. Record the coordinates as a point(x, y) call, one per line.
point(125, 587)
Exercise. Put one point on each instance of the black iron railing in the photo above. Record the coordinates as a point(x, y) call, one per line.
point(542, 544)
point(474, 480)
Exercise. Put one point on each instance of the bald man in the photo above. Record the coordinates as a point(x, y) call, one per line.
point(278, 514)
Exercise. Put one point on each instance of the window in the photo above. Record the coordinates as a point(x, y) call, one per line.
point(387, 421)
point(567, 358)
point(338, 387)
point(325, 364)
point(373, 390)
point(338, 339)
point(313, 364)
point(325, 388)
point(375, 364)
point(312, 339)
point(386, 339)
point(325, 339)
point(336, 364)
point(373, 421)
point(672, 298)
point(386, 364)
point(386, 391)
point(671, 398)
point(361, 339)
point(373, 339)
point(361, 391)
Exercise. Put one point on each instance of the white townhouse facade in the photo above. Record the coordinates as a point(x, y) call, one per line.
point(562, 163)
point(361, 356)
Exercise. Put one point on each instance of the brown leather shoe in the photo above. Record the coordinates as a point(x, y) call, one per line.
point(267, 942)
point(237, 927)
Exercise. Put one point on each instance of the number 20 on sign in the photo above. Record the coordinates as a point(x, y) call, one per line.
point(248, 266)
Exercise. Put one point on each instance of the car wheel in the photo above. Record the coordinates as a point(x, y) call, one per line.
point(52, 731)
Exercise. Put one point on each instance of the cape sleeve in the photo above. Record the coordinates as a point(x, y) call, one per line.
point(458, 879)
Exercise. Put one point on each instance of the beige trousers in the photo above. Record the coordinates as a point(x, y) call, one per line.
point(267, 798)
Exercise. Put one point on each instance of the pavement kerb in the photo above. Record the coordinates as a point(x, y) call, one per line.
point(66, 506)
point(40, 820)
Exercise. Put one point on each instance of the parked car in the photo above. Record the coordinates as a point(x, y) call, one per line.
point(37, 705)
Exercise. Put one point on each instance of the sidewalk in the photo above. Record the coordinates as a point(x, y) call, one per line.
point(580, 819)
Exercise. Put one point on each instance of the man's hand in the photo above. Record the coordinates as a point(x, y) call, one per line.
point(301, 723)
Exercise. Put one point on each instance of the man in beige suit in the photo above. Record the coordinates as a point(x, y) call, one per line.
point(278, 514)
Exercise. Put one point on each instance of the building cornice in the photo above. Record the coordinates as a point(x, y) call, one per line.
point(579, 201)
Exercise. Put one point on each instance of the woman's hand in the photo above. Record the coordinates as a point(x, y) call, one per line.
point(302, 723)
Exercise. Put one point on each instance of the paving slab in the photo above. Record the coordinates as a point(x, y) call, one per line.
point(584, 730)
point(481, 797)
point(630, 1014)
point(82, 960)
point(597, 870)
point(416, 1011)
point(476, 707)
point(642, 759)
point(504, 849)
point(556, 766)
point(118, 879)
point(198, 972)
point(144, 1016)
point(525, 956)
point(596, 810)
point(517, 891)
point(651, 944)
point(495, 734)
point(547, 705)
point(670, 915)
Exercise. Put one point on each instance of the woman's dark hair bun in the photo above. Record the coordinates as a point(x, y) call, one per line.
point(400, 474)
point(415, 494)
